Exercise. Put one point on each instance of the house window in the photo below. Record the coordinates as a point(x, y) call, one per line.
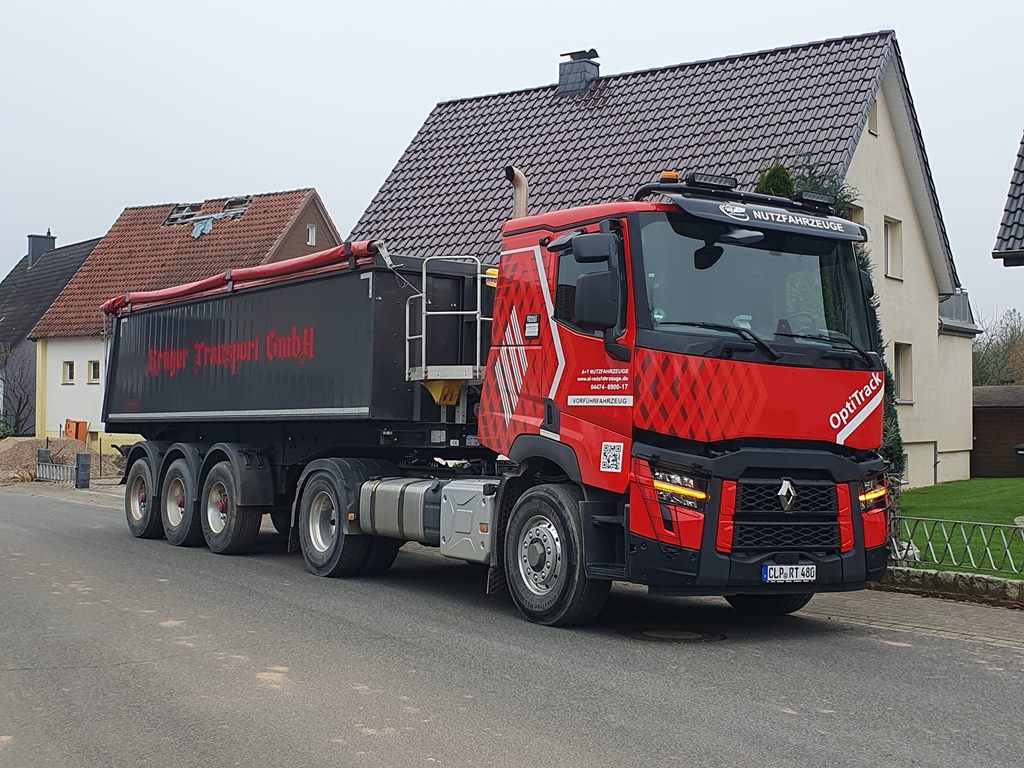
point(892, 237)
point(873, 118)
point(68, 372)
point(903, 372)
point(311, 234)
point(855, 213)
point(92, 371)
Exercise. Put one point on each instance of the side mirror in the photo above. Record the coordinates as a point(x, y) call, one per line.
point(594, 248)
point(597, 301)
point(866, 284)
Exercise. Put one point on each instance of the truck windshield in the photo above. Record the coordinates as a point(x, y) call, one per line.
point(786, 289)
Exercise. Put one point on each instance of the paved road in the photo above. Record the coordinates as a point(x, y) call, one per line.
point(121, 652)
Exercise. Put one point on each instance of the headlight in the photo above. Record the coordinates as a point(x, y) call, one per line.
point(676, 488)
point(873, 492)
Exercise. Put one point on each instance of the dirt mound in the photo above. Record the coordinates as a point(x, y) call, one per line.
point(18, 456)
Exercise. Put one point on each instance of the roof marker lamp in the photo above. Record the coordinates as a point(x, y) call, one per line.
point(668, 177)
point(711, 181)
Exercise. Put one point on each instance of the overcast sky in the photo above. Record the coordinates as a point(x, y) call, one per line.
point(109, 104)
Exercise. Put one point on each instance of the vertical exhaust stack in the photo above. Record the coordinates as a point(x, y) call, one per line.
point(520, 191)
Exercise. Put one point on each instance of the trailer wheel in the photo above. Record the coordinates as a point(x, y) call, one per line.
point(769, 605)
point(282, 520)
point(381, 556)
point(327, 550)
point(228, 528)
point(544, 558)
point(181, 524)
point(141, 507)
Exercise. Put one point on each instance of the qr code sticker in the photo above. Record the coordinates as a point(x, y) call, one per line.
point(611, 457)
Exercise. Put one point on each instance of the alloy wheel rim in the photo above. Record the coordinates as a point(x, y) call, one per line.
point(174, 504)
point(217, 507)
point(539, 555)
point(137, 497)
point(323, 522)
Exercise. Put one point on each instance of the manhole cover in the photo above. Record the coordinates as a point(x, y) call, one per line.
point(673, 635)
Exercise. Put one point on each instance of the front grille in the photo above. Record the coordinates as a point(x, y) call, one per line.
point(763, 496)
point(760, 524)
point(785, 537)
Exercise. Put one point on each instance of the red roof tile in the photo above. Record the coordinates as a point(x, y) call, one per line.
point(141, 253)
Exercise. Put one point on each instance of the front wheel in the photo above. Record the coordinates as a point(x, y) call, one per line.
point(769, 605)
point(544, 558)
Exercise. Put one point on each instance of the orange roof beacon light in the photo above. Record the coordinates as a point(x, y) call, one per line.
point(668, 177)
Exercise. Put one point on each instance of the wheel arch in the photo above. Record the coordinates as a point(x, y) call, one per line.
point(250, 467)
point(188, 452)
point(150, 450)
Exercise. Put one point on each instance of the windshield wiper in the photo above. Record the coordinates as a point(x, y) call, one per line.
point(743, 333)
point(837, 339)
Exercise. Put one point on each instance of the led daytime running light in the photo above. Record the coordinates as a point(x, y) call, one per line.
point(877, 493)
point(679, 490)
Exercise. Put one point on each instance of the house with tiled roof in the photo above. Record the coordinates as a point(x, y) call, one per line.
point(843, 104)
point(151, 247)
point(1010, 239)
point(25, 294)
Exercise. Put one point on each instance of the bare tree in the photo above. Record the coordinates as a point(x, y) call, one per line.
point(999, 351)
point(17, 391)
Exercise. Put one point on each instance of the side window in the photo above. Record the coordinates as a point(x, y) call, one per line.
point(565, 290)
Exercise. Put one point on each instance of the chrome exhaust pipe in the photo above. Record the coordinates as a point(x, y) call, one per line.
point(520, 191)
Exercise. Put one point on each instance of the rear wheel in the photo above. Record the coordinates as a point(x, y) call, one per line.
point(181, 524)
point(326, 548)
point(141, 505)
point(544, 558)
point(769, 605)
point(228, 528)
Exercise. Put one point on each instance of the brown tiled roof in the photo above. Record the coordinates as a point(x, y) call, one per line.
point(1009, 396)
point(447, 194)
point(1010, 239)
point(140, 252)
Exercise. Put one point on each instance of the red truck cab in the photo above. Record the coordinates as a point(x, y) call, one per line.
point(701, 362)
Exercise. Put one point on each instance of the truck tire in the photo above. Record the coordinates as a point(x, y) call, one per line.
point(181, 524)
point(140, 505)
point(544, 558)
point(381, 556)
point(769, 605)
point(326, 548)
point(228, 528)
point(282, 520)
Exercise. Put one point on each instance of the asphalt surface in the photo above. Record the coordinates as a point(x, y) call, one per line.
point(122, 652)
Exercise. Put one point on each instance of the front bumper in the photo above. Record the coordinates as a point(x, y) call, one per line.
point(707, 570)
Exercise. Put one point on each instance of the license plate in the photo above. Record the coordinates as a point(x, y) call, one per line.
point(786, 574)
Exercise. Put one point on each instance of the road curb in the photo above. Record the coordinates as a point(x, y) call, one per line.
point(970, 586)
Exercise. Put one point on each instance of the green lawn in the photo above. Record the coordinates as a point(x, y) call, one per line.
point(981, 500)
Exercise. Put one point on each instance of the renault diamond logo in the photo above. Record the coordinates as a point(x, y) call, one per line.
point(786, 494)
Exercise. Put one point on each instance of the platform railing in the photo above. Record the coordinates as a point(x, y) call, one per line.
point(424, 371)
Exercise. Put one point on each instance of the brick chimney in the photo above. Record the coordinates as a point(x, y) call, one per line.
point(38, 245)
point(576, 74)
